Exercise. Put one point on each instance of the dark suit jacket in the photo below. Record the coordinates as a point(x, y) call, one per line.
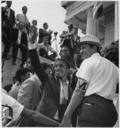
point(49, 103)
point(10, 21)
point(24, 40)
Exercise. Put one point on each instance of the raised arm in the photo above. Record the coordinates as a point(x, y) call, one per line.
point(35, 62)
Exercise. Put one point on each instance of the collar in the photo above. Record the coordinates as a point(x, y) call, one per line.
point(66, 83)
point(95, 54)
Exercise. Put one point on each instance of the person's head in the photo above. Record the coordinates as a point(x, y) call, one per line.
point(45, 26)
point(24, 9)
point(22, 74)
point(60, 68)
point(28, 64)
point(89, 45)
point(55, 34)
point(70, 27)
point(34, 22)
point(65, 52)
point(9, 3)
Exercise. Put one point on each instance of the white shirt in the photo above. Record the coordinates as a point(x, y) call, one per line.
point(14, 104)
point(19, 37)
point(101, 74)
point(63, 92)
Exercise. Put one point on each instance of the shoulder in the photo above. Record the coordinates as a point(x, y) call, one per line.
point(28, 82)
point(88, 62)
point(35, 79)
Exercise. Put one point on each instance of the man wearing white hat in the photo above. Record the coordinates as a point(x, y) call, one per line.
point(95, 89)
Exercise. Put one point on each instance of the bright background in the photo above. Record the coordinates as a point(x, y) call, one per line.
point(49, 11)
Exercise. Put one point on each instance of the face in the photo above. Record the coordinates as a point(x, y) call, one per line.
point(9, 3)
point(24, 10)
point(28, 64)
point(48, 71)
point(45, 26)
point(60, 69)
point(34, 22)
point(85, 51)
point(64, 52)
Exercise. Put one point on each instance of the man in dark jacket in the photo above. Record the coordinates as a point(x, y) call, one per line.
point(56, 89)
point(19, 41)
point(8, 21)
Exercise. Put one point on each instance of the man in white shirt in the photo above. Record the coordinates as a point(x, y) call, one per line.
point(22, 18)
point(19, 109)
point(95, 89)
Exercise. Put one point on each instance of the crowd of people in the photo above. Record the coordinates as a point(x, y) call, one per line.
point(77, 89)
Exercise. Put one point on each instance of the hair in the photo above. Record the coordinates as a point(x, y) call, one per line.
point(45, 23)
point(71, 26)
point(20, 72)
point(63, 60)
point(9, 2)
point(24, 7)
point(34, 21)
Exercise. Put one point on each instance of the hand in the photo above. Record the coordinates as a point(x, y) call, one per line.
point(65, 123)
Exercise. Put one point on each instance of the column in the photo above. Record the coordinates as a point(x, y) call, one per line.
point(92, 24)
point(116, 30)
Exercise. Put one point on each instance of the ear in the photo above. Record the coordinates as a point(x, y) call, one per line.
point(95, 48)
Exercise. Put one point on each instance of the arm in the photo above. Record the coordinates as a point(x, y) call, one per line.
point(76, 99)
point(37, 65)
point(39, 118)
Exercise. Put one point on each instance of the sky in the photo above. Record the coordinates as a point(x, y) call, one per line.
point(49, 11)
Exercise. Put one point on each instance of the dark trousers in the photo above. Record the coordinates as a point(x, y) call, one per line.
point(96, 111)
point(7, 40)
point(24, 52)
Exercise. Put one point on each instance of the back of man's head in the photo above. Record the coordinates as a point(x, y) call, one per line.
point(21, 72)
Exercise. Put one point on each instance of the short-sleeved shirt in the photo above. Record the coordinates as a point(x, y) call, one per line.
point(101, 75)
point(14, 104)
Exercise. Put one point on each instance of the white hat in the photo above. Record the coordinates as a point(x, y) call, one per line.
point(90, 39)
